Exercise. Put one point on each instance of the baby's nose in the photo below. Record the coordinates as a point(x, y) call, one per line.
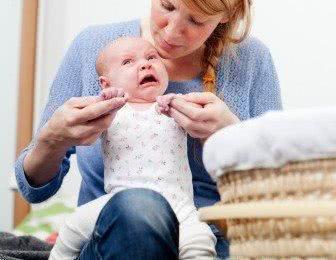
point(146, 66)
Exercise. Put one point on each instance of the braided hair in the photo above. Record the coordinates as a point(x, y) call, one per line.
point(224, 36)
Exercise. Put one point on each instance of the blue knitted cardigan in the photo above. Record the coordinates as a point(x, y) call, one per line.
point(246, 81)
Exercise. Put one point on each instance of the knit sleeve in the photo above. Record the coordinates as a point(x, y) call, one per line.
point(265, 92)
point(66, 84)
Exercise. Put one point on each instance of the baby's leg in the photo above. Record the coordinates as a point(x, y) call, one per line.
point(77, 229)
point(196, 239)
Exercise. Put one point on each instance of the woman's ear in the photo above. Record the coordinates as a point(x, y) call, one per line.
point(104, 82)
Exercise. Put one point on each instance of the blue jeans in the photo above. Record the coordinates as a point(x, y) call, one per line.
point(136, 224)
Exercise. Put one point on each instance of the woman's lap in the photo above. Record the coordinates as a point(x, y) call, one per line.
point(135, 219)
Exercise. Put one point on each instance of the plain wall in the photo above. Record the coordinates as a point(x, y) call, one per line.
point(10, 22)
point(302, 37)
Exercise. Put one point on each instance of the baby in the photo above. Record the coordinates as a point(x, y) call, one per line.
point(141, 149)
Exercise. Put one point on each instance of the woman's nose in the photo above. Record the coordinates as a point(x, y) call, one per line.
point(174, 29)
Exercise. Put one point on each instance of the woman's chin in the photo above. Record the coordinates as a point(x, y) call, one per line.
point(165, 54)
point(169, 55)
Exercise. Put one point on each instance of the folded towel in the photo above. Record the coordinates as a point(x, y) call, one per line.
point(272, 140)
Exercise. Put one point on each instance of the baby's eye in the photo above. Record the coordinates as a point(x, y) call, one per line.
point(151, 57)
point(127, 61)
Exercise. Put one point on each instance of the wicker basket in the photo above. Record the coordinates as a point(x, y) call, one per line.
point(310, 236)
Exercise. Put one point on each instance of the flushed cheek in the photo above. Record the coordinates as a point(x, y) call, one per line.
point(197, 38)
point(127, 82)
point(158, 20)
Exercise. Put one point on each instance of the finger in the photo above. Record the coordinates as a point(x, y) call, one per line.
point(200, 135)
point(86, 130)
point(201, 98)
point(109, 93)
point(159, 100)
point(165, 113)
point(81, 102)
point(100, 123)
point(187, 123)
point(120, 92)
point(90, 140)
point(98, 109)
point(126, 96)
point(158, 109)
point(191, 110)
point(169, 96)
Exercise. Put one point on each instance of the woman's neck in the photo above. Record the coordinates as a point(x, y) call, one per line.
point(184, 68)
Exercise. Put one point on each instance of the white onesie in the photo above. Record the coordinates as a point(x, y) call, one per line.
point(142, 149)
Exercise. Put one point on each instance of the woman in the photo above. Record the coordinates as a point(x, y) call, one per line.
point(198, 42)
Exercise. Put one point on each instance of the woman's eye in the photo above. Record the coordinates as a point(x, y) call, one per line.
point(193, 21)
point(169, 7)
point(125, 62)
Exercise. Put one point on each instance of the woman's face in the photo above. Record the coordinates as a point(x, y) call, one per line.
point(178, 31)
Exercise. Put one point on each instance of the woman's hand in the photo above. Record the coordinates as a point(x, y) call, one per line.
point(81, 120)
point(201, 114)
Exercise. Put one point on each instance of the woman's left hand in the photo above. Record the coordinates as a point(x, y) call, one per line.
point(201, 113)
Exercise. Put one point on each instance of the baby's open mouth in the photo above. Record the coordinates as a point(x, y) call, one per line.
point(148, 80)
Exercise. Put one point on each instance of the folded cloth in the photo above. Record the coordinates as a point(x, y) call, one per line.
point(23, 247)
point(272, 140)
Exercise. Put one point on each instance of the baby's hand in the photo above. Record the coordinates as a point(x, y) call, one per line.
point(163, 103)
point(112, 92)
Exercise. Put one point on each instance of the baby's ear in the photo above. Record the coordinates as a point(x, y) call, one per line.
point(104, 82)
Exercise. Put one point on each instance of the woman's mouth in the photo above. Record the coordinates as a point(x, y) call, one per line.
point(165, 45)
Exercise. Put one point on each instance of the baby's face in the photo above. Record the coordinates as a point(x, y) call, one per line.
point(134, 65)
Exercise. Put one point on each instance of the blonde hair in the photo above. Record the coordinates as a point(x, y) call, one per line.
point(225, 34)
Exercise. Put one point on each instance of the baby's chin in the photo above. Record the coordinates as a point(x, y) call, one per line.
point(148, 94)
point(149, 98)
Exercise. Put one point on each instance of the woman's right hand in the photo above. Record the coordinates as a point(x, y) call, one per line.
point(81, 120)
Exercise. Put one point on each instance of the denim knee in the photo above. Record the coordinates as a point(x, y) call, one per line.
point(134, 224)
point(140, 210)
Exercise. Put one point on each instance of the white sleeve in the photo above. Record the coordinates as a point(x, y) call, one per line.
point(77, 229)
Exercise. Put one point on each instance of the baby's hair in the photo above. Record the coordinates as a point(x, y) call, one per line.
point(101, 61)
point(224, 35)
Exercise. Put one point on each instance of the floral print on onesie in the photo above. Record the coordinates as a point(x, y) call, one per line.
point(143, 149)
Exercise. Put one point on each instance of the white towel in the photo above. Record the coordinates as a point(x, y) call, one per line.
point(272, 140)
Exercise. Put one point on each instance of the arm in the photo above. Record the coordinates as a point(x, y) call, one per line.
point(68, 120)
point(265, 92)
point(32, 157)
